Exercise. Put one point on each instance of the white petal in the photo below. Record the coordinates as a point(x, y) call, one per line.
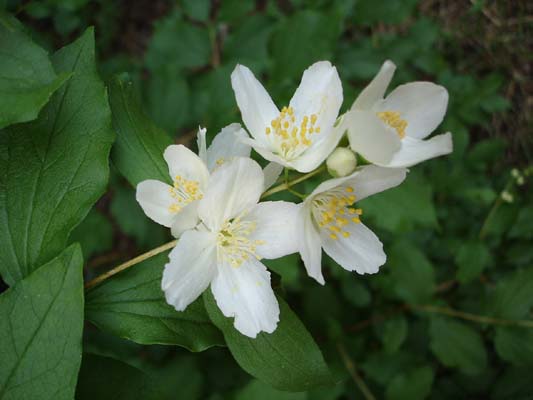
point(266, 152)
point(361, 252)
point(155, 200)
point(257, 108)
point(365, 181)
point(233, 188)
point(202, 144)
point(421, 104)
point(186, 219)
point(370, 137)
point(226, 145)
point(320, 93)
point(191, 268)
point(375, 89)
point(245, 293)
point(182, 161)
point(272, 172)
point(310, 245)
point(275, 223)
point(317, 153)
point(414, 151)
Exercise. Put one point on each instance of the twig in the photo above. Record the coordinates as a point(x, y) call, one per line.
point(352, 370)
point(287, 185)
point(130, 263)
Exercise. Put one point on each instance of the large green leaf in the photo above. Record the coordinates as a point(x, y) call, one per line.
point(472, 258)
point(55, 167)
point(515, 345)
point(27, 78)
point(108, 378)
point(457, 345)
point(413, 384)
point(132, 305)
point(41, 328)
point(287, 359)
point(138, 151)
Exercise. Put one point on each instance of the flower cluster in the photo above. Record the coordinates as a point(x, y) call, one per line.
point(213, 205)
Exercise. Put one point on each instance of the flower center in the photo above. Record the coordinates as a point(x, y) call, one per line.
point(333, 211)
point(234, 244)
point(393, 119)
point(183, 192)
point(292, 138)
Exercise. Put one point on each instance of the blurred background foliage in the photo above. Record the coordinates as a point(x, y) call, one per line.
point(456, 245)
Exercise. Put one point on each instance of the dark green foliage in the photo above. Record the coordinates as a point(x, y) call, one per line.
point(450, 239)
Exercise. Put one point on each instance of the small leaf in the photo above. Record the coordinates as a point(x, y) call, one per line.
point(27, 78)
point(512, 298)
point(392, 333)
point(138, 151)
point(472, 258)
point(56, 167)
point(287, 359)
point(412, 274)
point(402, 208)
point(41, 329)
point(414, 384)
point(132, 306)
point(515, 345)
point(457, 345)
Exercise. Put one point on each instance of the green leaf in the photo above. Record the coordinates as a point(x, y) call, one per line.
point(512, 298)
point(56, 167)
point(258, 390)
point(392, 333)
point(412, 275)
point(132, 306)
point(368, 12)
point(95, 234)
point(41, 329)
point(514, 383)
point(404, 207)
point(168, 100)
point(287, 359)
point(413, 384)
point(515, 345)
point(177, 44)
point(197, 9)
point(107, 378)
point(457, 345)
point(472, 258)
point(522, 226)
point(355, 292)
point(27, 78)
point(138, 151)
point(303, 38)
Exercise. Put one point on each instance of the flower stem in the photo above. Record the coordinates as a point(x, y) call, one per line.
point(289, 184)
point(350, 366)
point(130, 263)
point(497, 203)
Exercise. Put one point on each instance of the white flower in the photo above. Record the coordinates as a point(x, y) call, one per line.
point(329, 220)
point(176, 206)
point(301, 135)
point(389, 131)
point(226, 249)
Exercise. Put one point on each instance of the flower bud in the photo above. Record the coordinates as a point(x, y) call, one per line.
point(341, 162)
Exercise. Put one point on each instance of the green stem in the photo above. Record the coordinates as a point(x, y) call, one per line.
point(287, 185)
point(350, 366)
point(481, 319)
point(497, 203)
point(130, 263)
